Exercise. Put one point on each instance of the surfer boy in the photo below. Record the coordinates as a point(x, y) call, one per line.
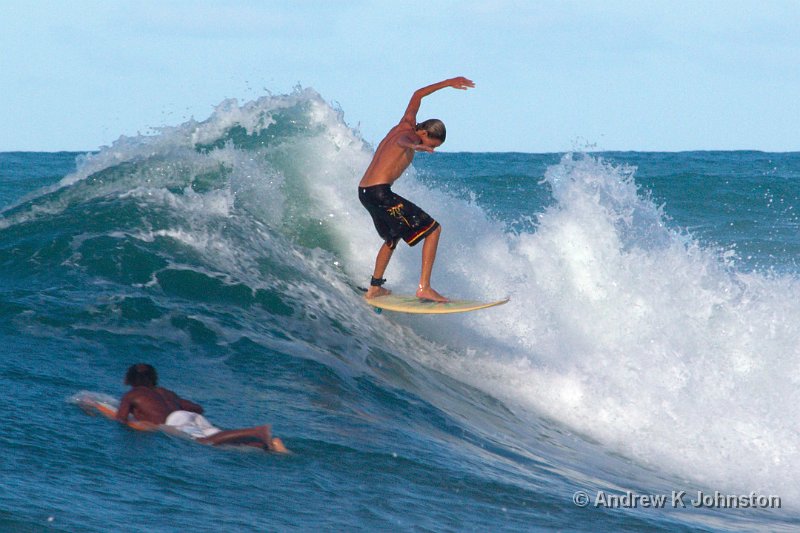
point(157, 405)
point(395, 217)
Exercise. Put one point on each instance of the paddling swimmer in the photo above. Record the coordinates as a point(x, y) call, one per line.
point(149, 403)
point(395, 217)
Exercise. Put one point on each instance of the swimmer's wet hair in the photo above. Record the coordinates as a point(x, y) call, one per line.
point(434, 127)
point(141, 375)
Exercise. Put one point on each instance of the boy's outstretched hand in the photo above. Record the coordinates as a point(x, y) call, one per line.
point(461, 83)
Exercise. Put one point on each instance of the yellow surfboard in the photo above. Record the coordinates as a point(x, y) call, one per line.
point(412, 304)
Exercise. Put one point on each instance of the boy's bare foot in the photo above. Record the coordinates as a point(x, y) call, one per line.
point(270, 443)
point(273, 444)
point(427, 293)
point(374, 292)
point(277, 446)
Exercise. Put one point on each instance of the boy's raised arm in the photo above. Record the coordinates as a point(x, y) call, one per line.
point(410, 115)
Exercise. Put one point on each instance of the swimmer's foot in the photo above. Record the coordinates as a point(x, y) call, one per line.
point(427, 293)
point(277, 446)
point(272, 444)
point(374, 292)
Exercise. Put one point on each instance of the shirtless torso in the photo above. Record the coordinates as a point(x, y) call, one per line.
point(392, 157)
point(153, 404)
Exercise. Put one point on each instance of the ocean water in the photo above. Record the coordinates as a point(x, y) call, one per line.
point(650, 348)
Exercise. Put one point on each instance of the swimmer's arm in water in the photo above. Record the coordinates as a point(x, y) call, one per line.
point(124, 409)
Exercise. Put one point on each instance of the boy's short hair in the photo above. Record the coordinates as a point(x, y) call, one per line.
point(141, 375)
point(434, 127)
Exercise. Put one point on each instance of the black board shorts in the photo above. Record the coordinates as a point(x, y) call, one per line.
point(395, 217)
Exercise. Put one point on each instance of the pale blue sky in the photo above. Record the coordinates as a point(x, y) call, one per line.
point(550, 75)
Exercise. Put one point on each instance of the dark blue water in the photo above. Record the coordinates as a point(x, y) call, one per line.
point(650, 344)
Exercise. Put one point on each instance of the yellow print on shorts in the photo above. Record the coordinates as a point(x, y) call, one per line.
point(397, 212)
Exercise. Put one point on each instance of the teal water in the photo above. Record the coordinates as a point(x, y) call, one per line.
point(650, 344)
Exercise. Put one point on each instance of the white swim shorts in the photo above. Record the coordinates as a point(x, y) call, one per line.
point(193, 424)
